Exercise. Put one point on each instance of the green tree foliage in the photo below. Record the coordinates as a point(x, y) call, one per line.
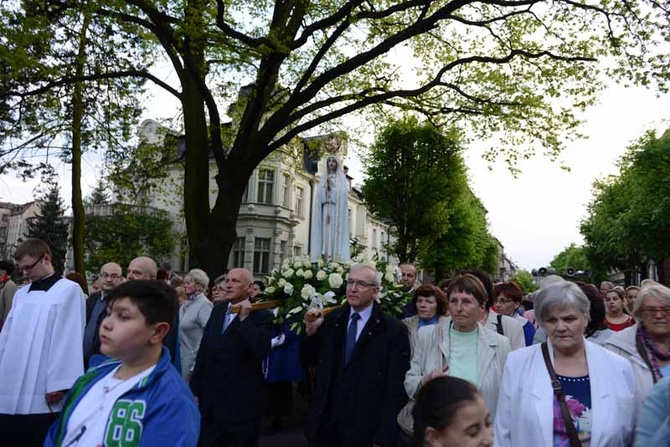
point(627, 224)
point(51, 225)
point(466, 242)
point(571, 256)
point(525, 280)
point(414, 172)
point(498, 66)
point(50, 50)
point(127, 233)
point(61, 93)
point(416, 179)
point(99, 195)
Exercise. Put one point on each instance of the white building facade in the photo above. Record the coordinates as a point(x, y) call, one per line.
point(275, 216)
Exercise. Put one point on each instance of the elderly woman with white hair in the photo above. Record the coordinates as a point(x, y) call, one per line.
point(647, 344)
point(567, 391)
point(193, 315)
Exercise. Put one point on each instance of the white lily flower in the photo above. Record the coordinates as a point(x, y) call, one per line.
point(295, 310)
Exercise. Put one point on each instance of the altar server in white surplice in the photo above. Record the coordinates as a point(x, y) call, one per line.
point(40, 348)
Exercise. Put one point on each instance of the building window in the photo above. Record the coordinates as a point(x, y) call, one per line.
point(266, 180)
point(297, 250)
point(261, 255)
point(300, 201)
point(351, 230)
point(238, 252)
point(374, 239)
point(286, 193)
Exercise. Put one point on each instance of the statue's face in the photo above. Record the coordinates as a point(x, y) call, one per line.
point(332, 164)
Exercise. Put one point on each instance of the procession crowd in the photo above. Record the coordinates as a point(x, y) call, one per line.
point(154, 359)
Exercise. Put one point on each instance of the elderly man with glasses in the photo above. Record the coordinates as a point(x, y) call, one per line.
point(361, 357)
point(110, 277)
point(40, 348)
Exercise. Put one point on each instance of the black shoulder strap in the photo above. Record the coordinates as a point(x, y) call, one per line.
point(560, 397)
point(499, 326)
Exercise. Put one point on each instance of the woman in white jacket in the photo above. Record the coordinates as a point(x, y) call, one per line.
point(461, 347)
point(598, 386)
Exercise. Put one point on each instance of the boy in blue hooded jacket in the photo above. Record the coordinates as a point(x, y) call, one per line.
point(135, 398)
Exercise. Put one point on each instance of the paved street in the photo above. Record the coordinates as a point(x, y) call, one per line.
point(293, 427)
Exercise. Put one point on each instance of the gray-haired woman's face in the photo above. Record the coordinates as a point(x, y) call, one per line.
point(565, 327)
point(655, 316)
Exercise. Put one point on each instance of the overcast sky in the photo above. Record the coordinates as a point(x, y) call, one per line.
point(535, 215)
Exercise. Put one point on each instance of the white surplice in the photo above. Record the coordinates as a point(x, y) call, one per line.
point(41, 347)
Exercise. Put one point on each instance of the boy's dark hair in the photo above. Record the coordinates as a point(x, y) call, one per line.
point(260, 284)
point(7, 266)
point(36, 248)
point(155, 299)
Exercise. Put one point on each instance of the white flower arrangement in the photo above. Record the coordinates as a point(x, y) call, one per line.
point(300, 284)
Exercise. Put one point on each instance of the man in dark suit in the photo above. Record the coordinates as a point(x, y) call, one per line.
point(361, 357)
point(96, 306)
point(227, 379)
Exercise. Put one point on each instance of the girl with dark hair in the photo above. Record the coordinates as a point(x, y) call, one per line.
point(596, 329)
point(449, 412)
point(615, 301)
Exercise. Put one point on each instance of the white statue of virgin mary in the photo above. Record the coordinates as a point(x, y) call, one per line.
point(330, 224)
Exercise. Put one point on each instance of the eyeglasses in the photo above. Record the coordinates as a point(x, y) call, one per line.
point(360, 284)
point(652, 311)
point(502, 300)
point(113, 276)
point(218, 289)
point(31, 266)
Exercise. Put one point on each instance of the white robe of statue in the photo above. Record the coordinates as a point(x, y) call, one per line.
point(330, 224)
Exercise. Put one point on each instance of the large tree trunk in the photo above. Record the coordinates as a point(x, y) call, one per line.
point(78, 215)
point(223, 220)
point(196, 177)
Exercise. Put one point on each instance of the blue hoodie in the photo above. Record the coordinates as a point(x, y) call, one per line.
point(162, 410)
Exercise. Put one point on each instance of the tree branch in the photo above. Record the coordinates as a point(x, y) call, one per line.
point(163, 33)
point(95, 77)
point(253, 42)
point(386, 96)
